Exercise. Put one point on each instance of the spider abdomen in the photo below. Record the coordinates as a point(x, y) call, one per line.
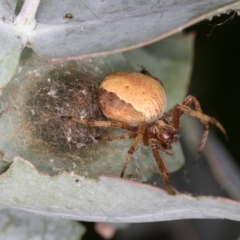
point(132, 98)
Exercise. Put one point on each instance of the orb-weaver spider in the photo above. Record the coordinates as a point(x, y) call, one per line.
point(135, 102)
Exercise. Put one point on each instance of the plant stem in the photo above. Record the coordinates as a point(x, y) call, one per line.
point(27, 13)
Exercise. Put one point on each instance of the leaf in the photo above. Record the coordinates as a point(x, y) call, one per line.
point(11, 48)
point(79, 193)
point(223, 166)
point(33, 103)
point(102, 27)
point(93, 28)
point(23, 122)
point(7, 9)
point(21, 225)
point(107, 199)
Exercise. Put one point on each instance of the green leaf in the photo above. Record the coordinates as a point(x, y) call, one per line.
point(21, 225)
point(94, 28)
point(31, 125)
point(11, 48)
point(33, 103)
point(102, 27)
point(107, 199)
point(79, 193)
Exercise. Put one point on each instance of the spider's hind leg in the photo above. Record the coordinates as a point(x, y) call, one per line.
point(114, 124)
point(94, 123)
point(121, 137)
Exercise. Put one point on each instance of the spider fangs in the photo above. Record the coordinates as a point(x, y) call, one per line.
point(135, 101)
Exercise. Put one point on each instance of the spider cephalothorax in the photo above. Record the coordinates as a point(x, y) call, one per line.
point(135, 101)
point(163, 132)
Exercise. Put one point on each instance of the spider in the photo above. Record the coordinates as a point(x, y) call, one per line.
point(135, 102)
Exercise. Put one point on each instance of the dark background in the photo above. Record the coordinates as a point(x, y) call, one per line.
point(216, 73)
point(216, 84)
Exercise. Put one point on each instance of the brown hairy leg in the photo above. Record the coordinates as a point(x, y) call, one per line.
point(141, 130)
point(178, 111)
point(114, 124)
point(121, 137)
point(202, 117)
point(162, 168)
point(155, 141)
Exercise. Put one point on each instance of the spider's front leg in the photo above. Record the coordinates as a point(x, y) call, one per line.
point(162, 168)
point(177, 111)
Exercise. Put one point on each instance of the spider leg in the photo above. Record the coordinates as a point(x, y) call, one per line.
point(156, 142)
point(204, 120)
point(114, 124)
point(162, 168)
point(170, 153)
point(202, 117)
point(141, 130)
point(121, 137)
point(178, 111)
point(187, 102)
